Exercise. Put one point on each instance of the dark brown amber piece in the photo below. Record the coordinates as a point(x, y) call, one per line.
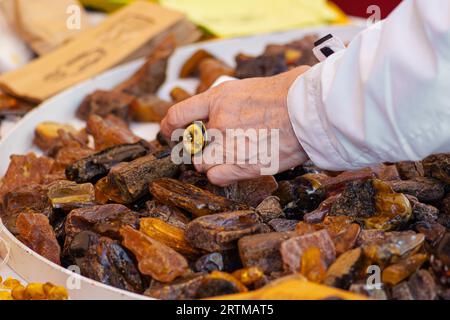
point(152, 74)
point(219, 232)
point(263, 251)
point(103, 103)
point(24, 170)
point(283, 225)
point(28, 198)
point(105, 260)
point(133, 179)
point(432, 231)
point(35, 231)
point(171, 215)
point(270, 209)
point(210, 70)
point(438, 166)
point(424, 189)
point(169, 235)
point(422, 211)
point(345, 269)
point(219, 284)
point(109, 132)
point(197, 201)
point(68, 150)
point(321, 212)
point(410, 169)
point(98, 165)
point(293, 249)
point(401, 270)
point(150, 108)
point(105, 220)
point(210, 262)
point(421, 286)
point(67, 195)
point(190, 67)
point(154, 258)
point(182, 288)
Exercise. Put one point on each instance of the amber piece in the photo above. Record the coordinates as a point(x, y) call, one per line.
point(386, 172)
point(18, 293)
point(105, 220)
point(249, 276)
point(149, 78)
point(263, 250)
point(150, 108)
point(210, 70)
point(303, 228)
point(182, 288)
point(5, 295)
point(221, 231)
point(401, 270)
point(389, 247)
point(25, 170)
point(27, 198)
point(421, 286)
point(263, 66)
point(46, 134)
point(68, 150)
point(110, 131)
point(53, 292)
point(103, 103)
point(283, 225)
point(422, 211)
point(11, 283)
point(67, 195)
point(319, 214)
point(98, 165)
point(344, 270)
point(197, 201)
point(35, 231)
point(106, 261)
point(219, 283)
point(432, 231)
point(154, 258)
point(190, 67)
point(171, 215)
point(253, 192)
point(294, 287)
point(424, 189)
point(410, 169)
point(438, 166)
point(169, 235)
point(292, 250)
point(313, 266)
point(270, 209)
point(346, 239)
point(210, 262)
point(179, 94)
point(133, 179)
point(35, 291)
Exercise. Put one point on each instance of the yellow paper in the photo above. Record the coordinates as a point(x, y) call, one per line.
point(237, 17)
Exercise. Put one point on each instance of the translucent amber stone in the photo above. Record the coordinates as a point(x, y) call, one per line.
point(18, 293)
point(248, 276)
point(35, 291)
point(396, 273)
point(228, 277)
point(5, 295)
point(53, 292)
point(11, 283)
point(167, 234)
point(313, 266)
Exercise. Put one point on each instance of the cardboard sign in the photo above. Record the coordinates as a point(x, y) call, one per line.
point(94, 51)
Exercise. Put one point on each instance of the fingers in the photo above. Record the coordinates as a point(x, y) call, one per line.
point(186, 112)
point(226, 174)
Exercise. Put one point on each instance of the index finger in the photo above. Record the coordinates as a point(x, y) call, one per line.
point(183, 113)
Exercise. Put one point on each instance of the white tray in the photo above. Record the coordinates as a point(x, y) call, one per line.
point(61, 108)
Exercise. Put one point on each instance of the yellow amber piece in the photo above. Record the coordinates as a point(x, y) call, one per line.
point(292, 56)
point(35, 291)
point(313, 266)
point(401, 270)
point(5, 295)
point(11, 283)
point(248, 276)
point(18, 293)
point(226, 276)
point(57, 293)
point(167, 234)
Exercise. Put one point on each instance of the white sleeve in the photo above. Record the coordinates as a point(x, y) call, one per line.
point(386, 98)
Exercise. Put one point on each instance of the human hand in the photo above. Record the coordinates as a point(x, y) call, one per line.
point(249, 105)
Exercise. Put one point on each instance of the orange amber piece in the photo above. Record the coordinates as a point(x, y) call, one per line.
point(35, 291)
point(396, 273)
point(5, 295)
point(167, 234)
point(248, 276)
point(228, 277)
point(303, 228)
point(18, 293)
point(313, 266)
point(53, 292)
point(154, 258)
point(11, 283)
point(346, 239)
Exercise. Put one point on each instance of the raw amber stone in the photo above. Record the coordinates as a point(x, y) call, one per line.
point(5, 295)
point(313, 266)
point(197, 201)
point(179, 94)
point(210, 70)
point(35, 231)
point(150, 108)
point(438, 166)
point(396, 273)
point(68, 195)
point(35, 291)
point(209, 262)
point(269, 209)
point(169, 235)
point(303, 228)
point(18, 293)
point(47, 134)
point(53, 292)
point(11, 283)
point(154, 258)
point(346, 267)
point(219, 283)
point(346, 239)
point(190, 67)
point(248, 276)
